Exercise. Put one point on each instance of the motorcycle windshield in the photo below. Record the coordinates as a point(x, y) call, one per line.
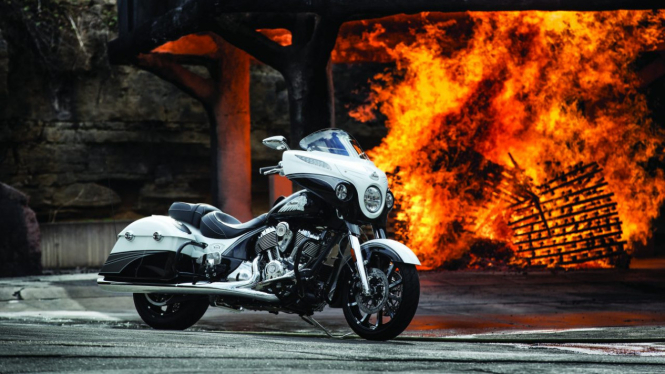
point(334, 141)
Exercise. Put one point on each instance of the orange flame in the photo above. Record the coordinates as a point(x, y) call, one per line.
point(551, 88)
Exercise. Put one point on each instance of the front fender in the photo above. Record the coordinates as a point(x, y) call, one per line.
point(397, 251)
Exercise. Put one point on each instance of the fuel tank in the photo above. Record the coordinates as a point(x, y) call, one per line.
point(301, 205)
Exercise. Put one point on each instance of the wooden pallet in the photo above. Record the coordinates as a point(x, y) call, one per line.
point(569, 220)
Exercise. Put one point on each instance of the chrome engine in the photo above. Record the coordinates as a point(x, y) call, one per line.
point(276, 245)
point(273, 269)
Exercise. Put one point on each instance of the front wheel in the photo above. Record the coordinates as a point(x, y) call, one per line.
point(391, 304)
point(169, 312)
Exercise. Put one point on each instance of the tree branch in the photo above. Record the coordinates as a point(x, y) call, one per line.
point(164, 65)
point(324, 38)
point(191, 17)
point(253, 42)
point(270, 20)
point(184, 59)
point(197, 16)
point(303, 29)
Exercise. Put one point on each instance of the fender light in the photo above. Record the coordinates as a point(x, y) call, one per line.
point(342, 192)
point(390, 200)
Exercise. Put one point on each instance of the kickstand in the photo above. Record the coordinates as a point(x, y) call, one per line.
point(315, 323)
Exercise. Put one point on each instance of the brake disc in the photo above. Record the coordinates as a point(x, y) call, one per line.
point(378, 287)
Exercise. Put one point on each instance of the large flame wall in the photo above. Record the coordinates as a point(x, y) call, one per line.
point(552, 89)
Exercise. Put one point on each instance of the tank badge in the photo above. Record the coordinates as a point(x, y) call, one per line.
point(296, 204)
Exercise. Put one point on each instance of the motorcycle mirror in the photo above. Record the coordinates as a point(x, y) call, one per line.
point(277, 142)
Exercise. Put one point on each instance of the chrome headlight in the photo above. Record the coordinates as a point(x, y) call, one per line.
point(390, 200)
point(342, 192)
point(373, 199)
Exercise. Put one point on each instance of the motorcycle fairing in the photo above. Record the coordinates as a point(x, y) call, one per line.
point(326, 166)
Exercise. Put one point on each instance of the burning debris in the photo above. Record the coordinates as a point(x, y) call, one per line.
point(551, 89)
point(569, 220)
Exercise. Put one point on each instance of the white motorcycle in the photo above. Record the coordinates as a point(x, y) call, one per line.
point(302, 255)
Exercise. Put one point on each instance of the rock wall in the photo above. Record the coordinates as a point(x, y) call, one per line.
point(87, 140)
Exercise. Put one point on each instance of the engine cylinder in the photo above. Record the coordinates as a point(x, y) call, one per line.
point(267, 240)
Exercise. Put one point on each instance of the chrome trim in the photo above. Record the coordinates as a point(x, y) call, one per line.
point(277, 142)
point(315, 162)
point(327, 179)
point(289, 275)
point(242, 289)
point(308, 234)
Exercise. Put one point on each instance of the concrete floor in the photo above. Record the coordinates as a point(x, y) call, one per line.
point(591, 321)
point(93, 348)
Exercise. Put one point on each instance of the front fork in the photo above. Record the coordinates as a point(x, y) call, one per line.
point(354, 232)
point(360, 263)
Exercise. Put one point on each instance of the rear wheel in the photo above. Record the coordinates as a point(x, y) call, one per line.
point(169, 312)
point(391, 304)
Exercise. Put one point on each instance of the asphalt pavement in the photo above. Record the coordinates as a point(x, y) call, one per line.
point(93, 348)
point(579, 321)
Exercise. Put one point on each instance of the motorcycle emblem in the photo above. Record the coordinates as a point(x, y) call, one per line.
point(296, 204)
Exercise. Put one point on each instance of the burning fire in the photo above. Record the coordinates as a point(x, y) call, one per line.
point(552, 89)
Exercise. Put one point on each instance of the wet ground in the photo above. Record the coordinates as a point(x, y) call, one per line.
point(591, 321)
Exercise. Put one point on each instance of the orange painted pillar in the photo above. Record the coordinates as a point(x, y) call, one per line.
point(278, 186)
point(231, 111)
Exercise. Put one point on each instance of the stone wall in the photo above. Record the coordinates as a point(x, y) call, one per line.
point(88, 140)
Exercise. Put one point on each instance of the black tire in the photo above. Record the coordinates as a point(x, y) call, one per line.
point(157, 312)
point(402, 314)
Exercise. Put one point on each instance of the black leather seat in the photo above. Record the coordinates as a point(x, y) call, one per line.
point(190, 213)
point(220, 225)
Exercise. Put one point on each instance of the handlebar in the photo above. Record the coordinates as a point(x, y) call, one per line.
point(270, 170)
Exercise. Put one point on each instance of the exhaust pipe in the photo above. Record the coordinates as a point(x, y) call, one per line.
point(241, 289)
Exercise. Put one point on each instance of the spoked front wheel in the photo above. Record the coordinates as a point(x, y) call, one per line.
point(391, 303)
point(169, 312)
